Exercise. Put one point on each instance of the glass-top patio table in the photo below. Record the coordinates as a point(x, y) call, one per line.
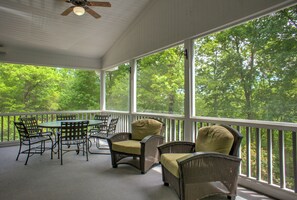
point(57, 124)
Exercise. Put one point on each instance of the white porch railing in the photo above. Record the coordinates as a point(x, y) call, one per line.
point(268, 150)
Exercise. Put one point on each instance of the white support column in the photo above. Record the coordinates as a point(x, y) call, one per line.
point(189, 91)
point(102, 91)
point(132, 100)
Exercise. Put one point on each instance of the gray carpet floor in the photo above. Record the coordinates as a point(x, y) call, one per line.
point(46, 179)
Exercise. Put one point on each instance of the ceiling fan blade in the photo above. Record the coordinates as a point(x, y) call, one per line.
point(92, 12)
point(67, 11)
point(102, 4)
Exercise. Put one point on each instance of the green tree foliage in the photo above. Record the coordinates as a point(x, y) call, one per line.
point(82, 91)
point(160, 82)
point(117, 88)
point(249, 71)
point(26, 88)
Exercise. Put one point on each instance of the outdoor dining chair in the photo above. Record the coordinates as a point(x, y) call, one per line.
point(35, 142)
point(103, 134)
point(102, 127)
point(73, 134)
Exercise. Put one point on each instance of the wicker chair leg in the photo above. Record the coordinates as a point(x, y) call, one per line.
point(231, 197)
point(113, 159)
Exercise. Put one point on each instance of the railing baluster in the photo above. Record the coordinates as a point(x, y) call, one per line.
point(172, 132)
point(196, 127)
point(294, 154)
point(173, 127)
point(239, 151)
point(269, 156)
point(282, 159)
point(2, 129)
point(14, 135)
point(8, 128)
point(167, 133)
point(258, 157)
point(178, 130)
point(248, 152)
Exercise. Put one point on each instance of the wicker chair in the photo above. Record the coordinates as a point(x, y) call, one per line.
point(205, 168)
point(73, 133)
point(139, 148)
point(103, 133)
point(35, 142)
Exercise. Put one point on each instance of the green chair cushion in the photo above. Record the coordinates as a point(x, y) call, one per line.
point(214, 139)
point(168, 160)
point(144, 127)
point(127, 146)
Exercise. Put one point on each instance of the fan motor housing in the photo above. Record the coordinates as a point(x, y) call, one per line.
point(78, 2)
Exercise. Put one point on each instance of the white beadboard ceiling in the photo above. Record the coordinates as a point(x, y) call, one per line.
point(34, 32)
point(38, 26)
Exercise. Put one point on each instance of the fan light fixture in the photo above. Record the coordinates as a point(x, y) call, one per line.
point(78, 10)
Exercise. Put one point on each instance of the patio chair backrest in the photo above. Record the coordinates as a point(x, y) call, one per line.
point(23, 132)
point(74, 130)
point(112, 126)
point(144, 127)
point(237, 140)
point(104, 124)
point(31, 124)
point(218, 138)
point(65, 117)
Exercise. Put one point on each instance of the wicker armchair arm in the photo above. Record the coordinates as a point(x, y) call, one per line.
point(201, 155)
point(177, 147)
point(150, 138)
point(150, 143)
point(120, 137)
point(207, 166)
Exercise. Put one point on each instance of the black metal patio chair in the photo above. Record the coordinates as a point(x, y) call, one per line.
point(103, 134)
point(102, 127)
point(73, 134)
point(36, 143)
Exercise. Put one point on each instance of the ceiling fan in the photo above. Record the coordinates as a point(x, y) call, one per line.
point(81, 6)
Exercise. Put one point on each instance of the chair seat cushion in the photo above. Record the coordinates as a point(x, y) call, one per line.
point(214, 139)
point(168, 160)
point(127, 146)
point(144, 127)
